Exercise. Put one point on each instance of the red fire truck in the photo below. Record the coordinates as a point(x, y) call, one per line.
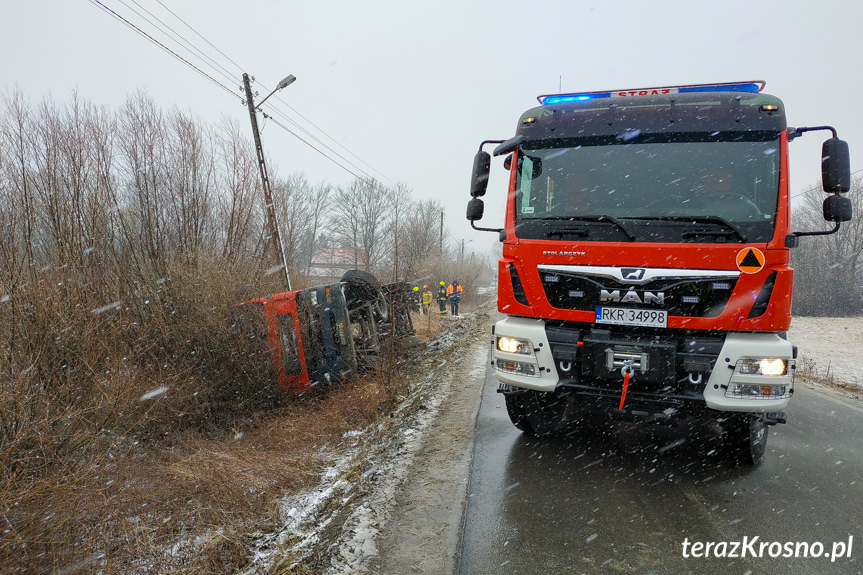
point(645, 271)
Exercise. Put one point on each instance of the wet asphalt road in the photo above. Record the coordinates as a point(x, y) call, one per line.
point(625, 498)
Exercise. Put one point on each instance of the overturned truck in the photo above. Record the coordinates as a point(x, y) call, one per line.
point(324, 335)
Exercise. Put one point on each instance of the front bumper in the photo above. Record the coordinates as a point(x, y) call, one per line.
point(669, 369)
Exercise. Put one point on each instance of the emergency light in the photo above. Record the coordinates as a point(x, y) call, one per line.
point(753, 86)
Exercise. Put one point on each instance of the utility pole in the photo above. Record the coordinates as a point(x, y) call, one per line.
point(441, 232)
point(272, 222)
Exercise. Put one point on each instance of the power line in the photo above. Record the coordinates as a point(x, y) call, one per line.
point(334, 140)
point(817, 187)
point(297, 136)
point(191, 47)
point(315, 138)
point(240, 68)
point(224, 72)
point(165, 48)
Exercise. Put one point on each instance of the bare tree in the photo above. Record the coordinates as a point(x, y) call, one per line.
point(319, 206)
point(419, 232)
point(291, 197)
point(190, 185)
point(239, 213)
point(360, 216)
point(828, 278)
point(143, 145)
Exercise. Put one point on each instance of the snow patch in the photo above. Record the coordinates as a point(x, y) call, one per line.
point(153, 393)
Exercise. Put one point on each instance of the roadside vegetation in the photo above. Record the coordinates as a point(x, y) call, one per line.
point(828, 270)
point(138, 431)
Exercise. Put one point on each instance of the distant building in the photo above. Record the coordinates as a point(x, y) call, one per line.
point(329, 264)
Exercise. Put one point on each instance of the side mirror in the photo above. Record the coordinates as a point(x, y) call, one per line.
point(837, 208)
point(835, 168)
point(475, 209)
point(479, 177)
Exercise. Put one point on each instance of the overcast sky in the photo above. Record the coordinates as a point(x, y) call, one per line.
point(408, 90)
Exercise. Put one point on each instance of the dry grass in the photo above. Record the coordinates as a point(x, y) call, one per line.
point(96, 480)
point(429, 325)
point(118, 279)
point(188, 503)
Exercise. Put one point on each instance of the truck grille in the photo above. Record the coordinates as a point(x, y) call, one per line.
point(688, 297)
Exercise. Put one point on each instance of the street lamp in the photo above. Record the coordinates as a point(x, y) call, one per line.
point(461, 258)
point(290, 79)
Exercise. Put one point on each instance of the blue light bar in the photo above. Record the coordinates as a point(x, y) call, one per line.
point(754, 86)
point(744, 87)
point(545, 100)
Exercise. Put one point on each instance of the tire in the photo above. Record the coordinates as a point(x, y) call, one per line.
point(744, 438)
point(362, 287)
point(517, 411)
point(536, 412)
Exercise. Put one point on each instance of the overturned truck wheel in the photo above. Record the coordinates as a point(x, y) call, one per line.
point(361, 287)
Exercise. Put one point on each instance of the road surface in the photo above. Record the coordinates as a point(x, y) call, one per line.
point(625, 499)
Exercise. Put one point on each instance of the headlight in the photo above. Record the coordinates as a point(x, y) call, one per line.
point(514, 345)
point(767, 367)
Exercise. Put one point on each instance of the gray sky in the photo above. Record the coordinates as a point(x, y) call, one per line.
point(412, 88)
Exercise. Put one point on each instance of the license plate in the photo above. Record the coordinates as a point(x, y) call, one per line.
point(636, 317)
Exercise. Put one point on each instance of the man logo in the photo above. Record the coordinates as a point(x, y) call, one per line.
point(632, 273)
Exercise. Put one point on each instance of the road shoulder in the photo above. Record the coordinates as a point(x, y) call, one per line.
point(423, 533)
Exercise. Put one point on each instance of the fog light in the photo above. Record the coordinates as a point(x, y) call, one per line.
point(748, 391)
point(516, 367)
point(514, 345)
point(766, 367)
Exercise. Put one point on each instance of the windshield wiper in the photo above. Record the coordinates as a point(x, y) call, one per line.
point(699, 219)
point(600, 218)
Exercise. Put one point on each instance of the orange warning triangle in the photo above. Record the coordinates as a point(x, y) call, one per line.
point(750, 260)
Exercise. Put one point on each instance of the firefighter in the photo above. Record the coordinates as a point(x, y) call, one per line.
point(427, 299)
point(442, 297)
point(454, 291)
point(414, 299)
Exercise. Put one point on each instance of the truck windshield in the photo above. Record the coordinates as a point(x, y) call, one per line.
point(668, 187)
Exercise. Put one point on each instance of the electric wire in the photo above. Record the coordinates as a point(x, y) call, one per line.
point(178, 38)
point(319, 141)
point(334, 140)
point(189, 26)
point(163, 47)
point(224, 72)
point(818, 187)
point(297, 136)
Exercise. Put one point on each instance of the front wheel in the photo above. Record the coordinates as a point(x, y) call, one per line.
point(535, 412)
point(744, 437)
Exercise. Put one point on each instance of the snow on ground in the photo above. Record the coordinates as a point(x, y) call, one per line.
point(828, 351)
point(829, 348)
point(357, 504)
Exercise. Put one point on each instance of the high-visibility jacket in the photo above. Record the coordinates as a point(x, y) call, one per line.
point(450, 289)
point(442, 294)
point(427, 297)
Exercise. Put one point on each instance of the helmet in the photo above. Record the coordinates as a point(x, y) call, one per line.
point(443, 283)
point(426, 286)
point(416, 288)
